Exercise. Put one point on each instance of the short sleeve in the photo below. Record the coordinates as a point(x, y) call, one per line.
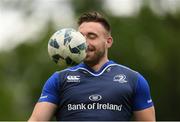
point(142, 97)
point(50, 91)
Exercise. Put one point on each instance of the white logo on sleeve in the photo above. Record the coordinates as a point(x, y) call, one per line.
point(149, 101)
point(73, 78)
point(120, 78)
point(43, 96)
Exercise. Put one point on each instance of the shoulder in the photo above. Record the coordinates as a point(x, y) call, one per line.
point(125, 70)
point(126, 73)
point(68, 70)
point(62, 74)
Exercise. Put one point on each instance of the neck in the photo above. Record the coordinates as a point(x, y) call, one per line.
point(97, 65)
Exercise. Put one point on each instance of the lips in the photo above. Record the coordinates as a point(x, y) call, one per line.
point(89, 49)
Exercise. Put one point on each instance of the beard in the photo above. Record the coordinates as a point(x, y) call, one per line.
point(94, 55)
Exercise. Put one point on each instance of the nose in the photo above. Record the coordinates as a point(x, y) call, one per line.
point(87, 40)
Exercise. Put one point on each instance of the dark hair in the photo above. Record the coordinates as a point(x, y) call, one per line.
point(94, 17)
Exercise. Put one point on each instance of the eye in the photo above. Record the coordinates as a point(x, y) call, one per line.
point(91, 36)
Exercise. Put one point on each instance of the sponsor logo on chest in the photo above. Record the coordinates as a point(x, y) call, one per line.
point(95, 105)
point(95, 97)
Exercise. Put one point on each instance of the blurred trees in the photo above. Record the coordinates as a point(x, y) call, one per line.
point(147, 43)
point(23, 72)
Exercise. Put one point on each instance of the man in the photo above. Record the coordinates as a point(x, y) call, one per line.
point(97, 89)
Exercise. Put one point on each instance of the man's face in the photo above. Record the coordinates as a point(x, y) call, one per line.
point(97, 40)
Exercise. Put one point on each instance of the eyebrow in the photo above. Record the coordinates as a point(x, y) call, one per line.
point(91, 33)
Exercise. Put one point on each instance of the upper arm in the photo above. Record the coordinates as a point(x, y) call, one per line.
point(50, 92)
point(48, 101)
point(43, 111)
point(143, 105)
point(145, 115)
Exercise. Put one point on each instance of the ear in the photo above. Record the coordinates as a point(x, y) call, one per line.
point(109, 41)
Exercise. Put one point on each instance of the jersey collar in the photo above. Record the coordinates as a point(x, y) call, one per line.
point(100, 70)
point(85, 67)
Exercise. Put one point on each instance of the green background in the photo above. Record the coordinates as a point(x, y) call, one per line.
point(147, 43)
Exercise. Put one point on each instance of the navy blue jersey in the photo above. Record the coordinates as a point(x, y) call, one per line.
point(112, 93)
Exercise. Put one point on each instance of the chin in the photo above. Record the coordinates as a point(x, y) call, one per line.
point(88, 57)
point(91, 60)
point(88, 60)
